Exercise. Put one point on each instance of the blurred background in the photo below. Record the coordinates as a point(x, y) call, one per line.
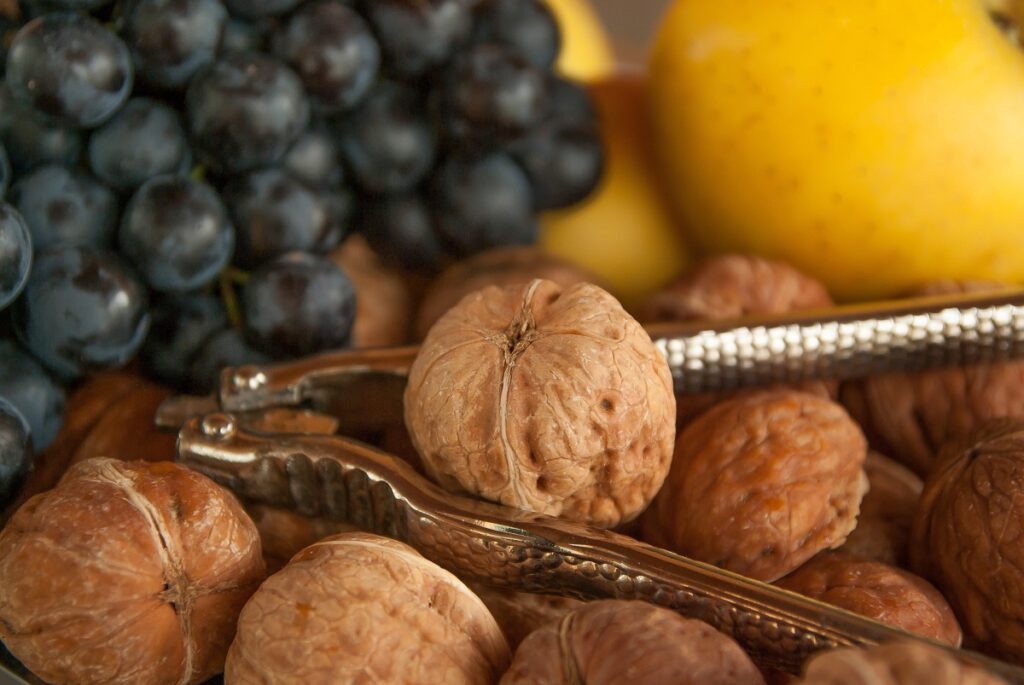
point(631, 25)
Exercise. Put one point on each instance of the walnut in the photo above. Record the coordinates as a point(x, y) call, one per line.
point(899, 663)
point(501, 267)
point(878, 591)
point(909, 416)
point(762, 483)
point(968, 532)
point(383, 301)
point(126, 572)
point(284, 533)
point(886, 513)
point(521, 613)
point(550, 400)
point(362, 608)
point(615, 641)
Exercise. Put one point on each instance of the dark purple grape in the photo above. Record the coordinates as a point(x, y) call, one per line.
point(15, 451)
point(181, 326)
point(484, 202)
point(15, 254)
point(65, 208)
point(27, 385)
point(527, 27)
point(245, 110)
point(400, 228)
point(387, 142)
point(173, 39)
point(83, 310)
point(143, 140)
point(251, 9)
point(333, 51)
point(569, 103)
point(226, 348)
point(564, 163)
point(79, 5)
point(244, 36)
point(314, 159)
point(177, 233)
point(274, 214)
point(31, 141)
point(298, 304)
point(419, 35)
point(5, 171)
point(9, 26)
point(69, 67)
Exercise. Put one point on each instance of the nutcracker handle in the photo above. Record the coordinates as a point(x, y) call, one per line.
point(341, 479)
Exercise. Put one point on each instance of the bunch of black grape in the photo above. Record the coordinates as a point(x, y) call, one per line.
point(176, 171)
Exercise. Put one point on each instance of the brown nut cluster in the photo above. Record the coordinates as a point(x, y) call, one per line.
point(358, 608)
point(899, 663)
point(878, 591)
point(127, 572)
point(968, 535)
point(762, 483)
point(549, 400)
point(613, 642)
point(910, 416)
point(501, 267)
point(383, 301)
point(886, 513)
point(521, 613)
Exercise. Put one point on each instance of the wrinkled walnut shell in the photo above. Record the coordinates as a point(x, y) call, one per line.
point(521, 613)
point(762, 483)
point(383, 301)
point(126, 572)
point(613, 642)
point(367, 609)
point(549, 400)
point(886, 513)
point(968, 534)
point(878, 591)
point(900, 663)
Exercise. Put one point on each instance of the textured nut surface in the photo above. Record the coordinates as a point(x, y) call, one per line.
point(383, 301)
point(968, 535)
point(550, 400)
point(878, 591)
point(358, 608)
point(762, 483)
point(521, 613)
point(886, 513)
point(615, 641)
point(909, 416)
point(127, 572)
point(900, 663)
point(501, 267)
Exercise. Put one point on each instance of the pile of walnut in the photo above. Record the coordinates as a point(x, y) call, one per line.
point(897, 497)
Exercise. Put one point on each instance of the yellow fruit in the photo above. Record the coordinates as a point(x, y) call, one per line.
point(624, 232)
point(875, 144)
point(586, 53)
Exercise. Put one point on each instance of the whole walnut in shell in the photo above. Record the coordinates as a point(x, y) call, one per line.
point(549, 400)
point(910, 416)
point(383, 301)
point(968, 535)
point(521, 613)
point(878, 591)
point(126, 572)
point(886, 513)
point(358, 608)
point(762, 483)
point(613, 641)
point(898, 663)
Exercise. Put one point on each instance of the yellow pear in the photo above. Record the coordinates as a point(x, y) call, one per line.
point(876, 144)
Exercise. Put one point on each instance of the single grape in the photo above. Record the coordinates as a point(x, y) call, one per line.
point(387, 142)
point(245, 110)
point(298, 304)
point(177, 233)
point(15, 254)
point(5, 171)
point(173, 39)
point(15, 451)
point(27, 385)
point(143, 140)
point(527, 27)
point(83, 310)
point(314, 159)
point(69, 67)
point(251, 9)
point(400, 228)
point(64, 207)
point(333, 51)
point(222, 349)
point(244, 36)
point(181, 326)
point(484, 202)
point(564, 163)
point(569, 103)
point(417, 36)
point(31, 141)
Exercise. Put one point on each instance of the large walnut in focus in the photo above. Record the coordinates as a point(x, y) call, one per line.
point(126, 572)
point(878, 591)
point(544, 399)
point(501, 267)
point(383, 301)
point(886, 513)
point(358, 608)
point(613, 642)
point(762, 483)
point(909, 416)
point(968, 536)
point(898, 663)
point(521, 613)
